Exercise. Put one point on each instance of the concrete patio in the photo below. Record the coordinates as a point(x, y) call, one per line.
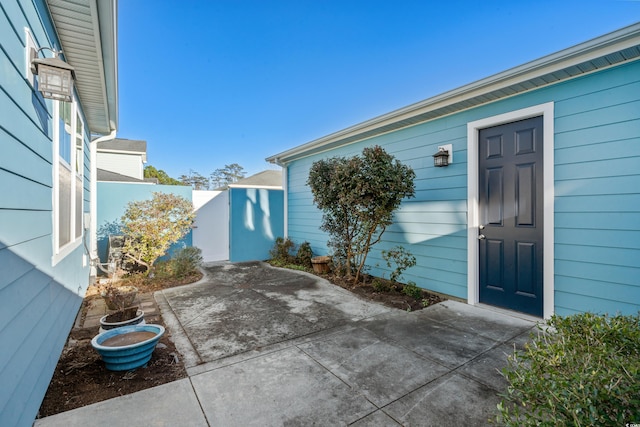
point(269, 347)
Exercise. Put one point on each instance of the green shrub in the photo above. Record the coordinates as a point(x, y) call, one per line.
point(401, 257)
point(412, 290)
point(304, 255)
point(584, 371)
point(186, 261)
point(380, 285)
point(281, 251)
point(152, 226)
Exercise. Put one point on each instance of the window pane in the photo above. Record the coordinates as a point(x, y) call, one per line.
point(64, 131)
point(79, 207)
point(64, 205)
point(79, 146)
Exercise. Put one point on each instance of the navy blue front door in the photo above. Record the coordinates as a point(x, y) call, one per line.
point(511, 213)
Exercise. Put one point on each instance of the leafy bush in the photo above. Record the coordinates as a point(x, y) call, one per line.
point(358, 196)
point(281, 251)
point(402, 258)
point(152, 226)
point(186, 261)
point(412, 290)
point(585, 371)
point(304, 255)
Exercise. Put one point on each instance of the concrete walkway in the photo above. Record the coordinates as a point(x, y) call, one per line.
point(271, 347)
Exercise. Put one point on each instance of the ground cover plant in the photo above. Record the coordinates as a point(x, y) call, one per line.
point(583, 371)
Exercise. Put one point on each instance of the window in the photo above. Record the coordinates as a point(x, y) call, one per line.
point(79, 157)
point(69, 136)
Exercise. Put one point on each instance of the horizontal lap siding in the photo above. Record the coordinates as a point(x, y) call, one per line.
point(38, 301)
point(432, 226)
point(303, 218)
point(597, 173)
point(597, 204)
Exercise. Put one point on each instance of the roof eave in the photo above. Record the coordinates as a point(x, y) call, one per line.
point(108, 28)
point(600, 47)
point(94, 56)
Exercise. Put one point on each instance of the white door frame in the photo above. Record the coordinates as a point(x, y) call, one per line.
point(547, 112)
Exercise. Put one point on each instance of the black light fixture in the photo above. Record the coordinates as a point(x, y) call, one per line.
point(55, 76)
point(441, 158)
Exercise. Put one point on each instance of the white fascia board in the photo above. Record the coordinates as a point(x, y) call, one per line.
point(613, 42)
point(257, 187)
point(107, 28)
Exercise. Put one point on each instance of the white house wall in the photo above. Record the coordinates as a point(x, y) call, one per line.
point(124, 164)
point(211, 232)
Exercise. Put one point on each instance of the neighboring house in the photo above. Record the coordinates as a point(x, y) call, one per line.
point(122, 156)
point(120, 175)
point(539, 210)
point(47, 184)
point(242, 223)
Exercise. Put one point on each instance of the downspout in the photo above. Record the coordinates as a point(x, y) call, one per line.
point(285, 173)
point(93, 205)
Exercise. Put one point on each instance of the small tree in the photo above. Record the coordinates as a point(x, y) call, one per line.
point(358, 196)
point(195, 180)
point(152, 226)
point(160, 175)
point(227, 175)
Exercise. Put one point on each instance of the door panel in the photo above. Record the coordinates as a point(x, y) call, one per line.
point(510, 209)
point(495, 196)
point(525, 195)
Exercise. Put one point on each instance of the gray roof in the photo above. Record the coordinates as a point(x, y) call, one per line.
point(265, 179)
point(612, 49)
point(123, 145)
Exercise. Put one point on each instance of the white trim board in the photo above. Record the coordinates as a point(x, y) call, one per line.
point(547, 112)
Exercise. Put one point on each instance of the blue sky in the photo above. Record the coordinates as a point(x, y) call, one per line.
point(209, 83)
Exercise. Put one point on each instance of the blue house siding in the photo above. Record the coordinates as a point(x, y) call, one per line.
point(39, 297)
point(113, 198)
point(256, 219)
point(597, 196)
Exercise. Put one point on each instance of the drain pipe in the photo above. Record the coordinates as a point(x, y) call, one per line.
point(93, 205)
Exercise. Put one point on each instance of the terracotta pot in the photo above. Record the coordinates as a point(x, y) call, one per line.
point(321, 264)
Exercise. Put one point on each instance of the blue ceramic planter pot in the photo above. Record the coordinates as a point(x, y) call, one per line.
point(133, 352)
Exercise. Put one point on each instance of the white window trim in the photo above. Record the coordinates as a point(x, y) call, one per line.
point(547, 112)
point(60, 253)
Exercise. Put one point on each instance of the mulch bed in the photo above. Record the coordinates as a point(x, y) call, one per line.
point(392, 297)
point(81, 379)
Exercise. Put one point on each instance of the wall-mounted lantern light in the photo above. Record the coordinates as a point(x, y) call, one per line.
point(56, 77)
point(444, 156)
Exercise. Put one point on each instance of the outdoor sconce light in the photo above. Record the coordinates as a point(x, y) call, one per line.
point(444, 156)
point(55, 76)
